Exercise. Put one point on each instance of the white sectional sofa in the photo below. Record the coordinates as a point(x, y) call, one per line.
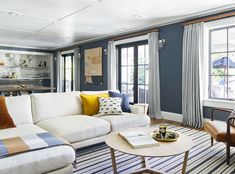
point(60, 114)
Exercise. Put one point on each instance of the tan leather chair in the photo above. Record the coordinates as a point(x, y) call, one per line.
point(221, 131)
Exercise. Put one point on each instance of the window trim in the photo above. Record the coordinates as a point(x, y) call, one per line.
point(210, 98)
point(135, 84)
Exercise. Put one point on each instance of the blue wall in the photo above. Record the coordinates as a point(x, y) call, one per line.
point(171, 68)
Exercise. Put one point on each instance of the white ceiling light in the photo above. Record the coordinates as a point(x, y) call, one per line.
point(137, 16)
point(12, 13)
point(122, 29)
point(97, 1)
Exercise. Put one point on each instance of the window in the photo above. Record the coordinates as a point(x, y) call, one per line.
point(133, 71)
point(222, 63)
point(68, 72)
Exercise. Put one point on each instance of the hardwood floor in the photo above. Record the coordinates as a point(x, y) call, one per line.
point(159, 121)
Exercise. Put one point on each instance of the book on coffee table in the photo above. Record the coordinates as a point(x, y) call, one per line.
point(138, 139)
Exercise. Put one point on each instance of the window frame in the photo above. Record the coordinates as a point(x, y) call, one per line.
point(210, 53)
point(135, 83)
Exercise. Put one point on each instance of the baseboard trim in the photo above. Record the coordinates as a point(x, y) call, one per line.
point(175, 116)
point(172, 116)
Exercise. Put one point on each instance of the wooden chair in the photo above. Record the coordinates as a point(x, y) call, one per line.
point(221, 131)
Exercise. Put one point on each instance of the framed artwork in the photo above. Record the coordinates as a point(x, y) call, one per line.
point(93, 66)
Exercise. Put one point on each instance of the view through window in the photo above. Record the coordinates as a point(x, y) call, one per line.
point(134, 71)
point(222, 63)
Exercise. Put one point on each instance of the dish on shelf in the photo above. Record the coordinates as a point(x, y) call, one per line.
point(170, 136)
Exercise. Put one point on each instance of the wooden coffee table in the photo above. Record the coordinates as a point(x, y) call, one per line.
point(182, 145)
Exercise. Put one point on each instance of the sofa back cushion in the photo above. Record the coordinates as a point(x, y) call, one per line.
point(49, 105)
point(19, 108)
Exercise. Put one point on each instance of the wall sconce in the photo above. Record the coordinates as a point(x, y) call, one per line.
point(161, 43)
point(79, 55)
point(105, 51)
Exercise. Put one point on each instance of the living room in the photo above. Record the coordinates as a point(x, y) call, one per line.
point(121, 86)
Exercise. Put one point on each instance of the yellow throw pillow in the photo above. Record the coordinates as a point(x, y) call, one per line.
point(91, 104)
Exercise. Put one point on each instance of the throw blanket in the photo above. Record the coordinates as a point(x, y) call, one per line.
point(22, 144)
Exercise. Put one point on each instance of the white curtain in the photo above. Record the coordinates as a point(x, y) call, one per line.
point(154, 77)
point(59, 64)
point(77, 58)
point(192, 67)
point(112, 66)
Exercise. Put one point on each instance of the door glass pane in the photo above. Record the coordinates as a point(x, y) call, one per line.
point(219, 41)
point(231, 63)
point(130, 93)
point(141, 55)
point(231, 87)
point(231, 39)
point(131, 74)
point(124, 74)
point(124, 89)
point(141, 75)
point(219, 86)
point(146, 54)
point(124, 56)
point(219, 64)
point(146, 75)
point(130, 56)
point(141, 94)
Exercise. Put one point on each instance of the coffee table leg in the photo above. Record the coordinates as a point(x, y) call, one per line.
point(113, 160)
point(185, 162)
point(146, 162)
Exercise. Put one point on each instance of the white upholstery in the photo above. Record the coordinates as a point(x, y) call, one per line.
point(26, 129)
point(127, 120)
point(64, 170)
point(49, 105)
point(39, 161)
point(20, 109)
point(76, 128)
point(34, 162)
point(89, 142)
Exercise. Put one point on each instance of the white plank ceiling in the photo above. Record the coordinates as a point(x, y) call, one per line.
point(50, 24)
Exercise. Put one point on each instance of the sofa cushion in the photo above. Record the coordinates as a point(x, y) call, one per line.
point(34, 162)
point(49, 105)
point(19, 107)
point(75, 128)
point(127, 120)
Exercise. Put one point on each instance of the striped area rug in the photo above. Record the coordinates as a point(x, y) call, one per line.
point(203, 159)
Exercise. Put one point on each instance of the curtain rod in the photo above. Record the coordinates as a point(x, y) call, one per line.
point(211, 18)
point(134, 34)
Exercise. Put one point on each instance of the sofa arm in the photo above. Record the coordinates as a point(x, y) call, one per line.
point(139, 108)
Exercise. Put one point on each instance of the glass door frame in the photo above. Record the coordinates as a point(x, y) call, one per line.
point(135, 85)
point(64, 69)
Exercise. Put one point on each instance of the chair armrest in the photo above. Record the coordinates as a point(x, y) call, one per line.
point(219, 109)
point(139, 108)
point(228, 129)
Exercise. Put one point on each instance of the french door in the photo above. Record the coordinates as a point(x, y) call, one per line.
point(134, 71)
point(68, 72)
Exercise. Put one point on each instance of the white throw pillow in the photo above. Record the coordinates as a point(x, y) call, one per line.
point(110, 106)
